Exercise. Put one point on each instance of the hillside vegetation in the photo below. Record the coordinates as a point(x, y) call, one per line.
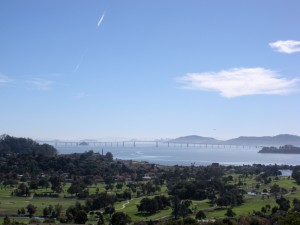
point(94, 188)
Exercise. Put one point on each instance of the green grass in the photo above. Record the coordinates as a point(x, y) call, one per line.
point(256, 202)
point(21, 220)
point(286, 183)
point(131, 210)
point(251, 203)
point(201, 205)
point(9, 205)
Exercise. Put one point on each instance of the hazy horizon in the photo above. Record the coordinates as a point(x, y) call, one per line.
point(116, 139)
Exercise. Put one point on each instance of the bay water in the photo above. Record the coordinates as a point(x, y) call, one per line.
point(187, 155)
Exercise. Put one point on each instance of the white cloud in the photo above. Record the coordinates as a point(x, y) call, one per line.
point(81, 94)
point(100, 20)
point(239, 82)
point(41, 84)
point(4, 79)
point(288, 47)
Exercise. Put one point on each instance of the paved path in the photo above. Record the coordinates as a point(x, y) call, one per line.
point(124, 205)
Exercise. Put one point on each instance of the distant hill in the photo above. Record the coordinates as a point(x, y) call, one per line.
point(279, 140)
point(9, 144)
point(195, 139)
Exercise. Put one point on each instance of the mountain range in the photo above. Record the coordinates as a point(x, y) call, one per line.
point(278, 140)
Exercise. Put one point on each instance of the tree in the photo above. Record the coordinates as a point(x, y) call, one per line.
point(58, 209)
point(275, 190)
point(109, 210)
point(31, 209)
point(80, 217)
point(52, 211)
point(46, 212)
point(9, 144)
point(296, 204)
point(296, 174)
point(88, 180)
point(56, 184)
point(6, 221)
point(46, 149)
point(22, 190)
point(190, 221)
point(290, 219)
point(76, 187)
point(43, 183)
point(230, 213)
point(120, 218)
point(283, 203)
point(119, 186)
point(76, 213)
point(101, 219)
point(50, 208)
point(223, 201)
point(275, 209)
point(22, 211)
point(108, 180)
point(109, 156)
point(200, 215)
point(148, 205)
point(33, 185)
point(183, 208)
point(100, 201)
point(175, 206)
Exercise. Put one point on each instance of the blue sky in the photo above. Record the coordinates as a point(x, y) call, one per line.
point(148, 69)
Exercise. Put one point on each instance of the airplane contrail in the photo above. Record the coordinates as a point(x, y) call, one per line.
point(83, 55)
point(77, 67)
point(80, 61)
point(101, 20)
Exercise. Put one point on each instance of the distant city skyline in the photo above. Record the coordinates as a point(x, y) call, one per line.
point(149, 69)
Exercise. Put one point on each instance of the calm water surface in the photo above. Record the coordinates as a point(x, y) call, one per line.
point(176, 155)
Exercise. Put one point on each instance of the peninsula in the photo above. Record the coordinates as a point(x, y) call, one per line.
point(286, 149)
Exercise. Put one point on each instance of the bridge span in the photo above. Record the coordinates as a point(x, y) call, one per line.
point(141, 143)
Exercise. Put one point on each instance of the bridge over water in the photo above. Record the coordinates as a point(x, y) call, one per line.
point(141, 143)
